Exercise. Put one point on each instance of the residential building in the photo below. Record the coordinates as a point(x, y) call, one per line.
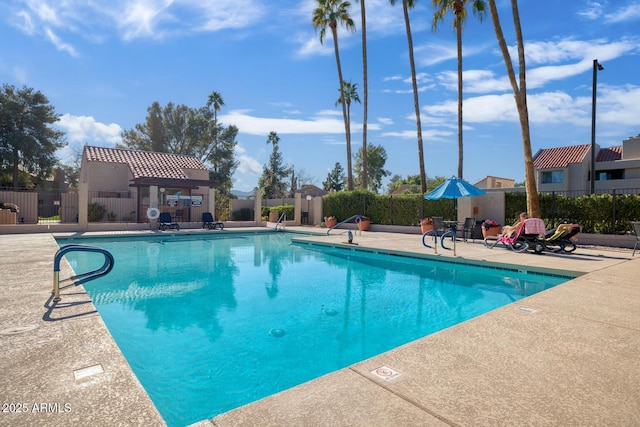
point(495, 182)
point(568, 169)
point(128, 183)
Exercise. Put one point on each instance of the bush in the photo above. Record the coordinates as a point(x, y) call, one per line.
point(244, 214)
point(96, 212)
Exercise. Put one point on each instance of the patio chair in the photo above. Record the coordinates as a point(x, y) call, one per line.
point(164, 222)
point(438, 225)
point(467, 228)
point(207, 221)
point(561, 239)
point(527, 236)
point(636, 230)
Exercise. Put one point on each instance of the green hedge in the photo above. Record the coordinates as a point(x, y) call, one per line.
point(383, 209)
point(595, 212)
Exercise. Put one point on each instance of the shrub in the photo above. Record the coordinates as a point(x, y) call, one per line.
point(96, 212)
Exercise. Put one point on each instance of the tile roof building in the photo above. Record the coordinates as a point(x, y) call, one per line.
point(130, 182)
point(568, 169)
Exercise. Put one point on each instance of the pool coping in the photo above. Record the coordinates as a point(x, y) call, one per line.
point(602, 302)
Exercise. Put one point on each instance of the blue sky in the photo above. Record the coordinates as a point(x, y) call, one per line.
point(102, 64)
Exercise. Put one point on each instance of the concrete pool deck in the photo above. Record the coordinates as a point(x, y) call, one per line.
point(565, 356)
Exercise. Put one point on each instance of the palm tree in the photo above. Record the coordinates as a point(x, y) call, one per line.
point(458, 8)
point(520, 95)
point(365, 91)
point(406, 5)
point(215, 100)
point(350, 93)
point(328, 14)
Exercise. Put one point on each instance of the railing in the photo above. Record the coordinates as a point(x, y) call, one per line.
point(340, 223)
point(434, 233)
point(283, 217)
point(80, 278)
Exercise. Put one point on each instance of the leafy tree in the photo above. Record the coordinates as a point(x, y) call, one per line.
point(377, 157)
point(406, 5)
point(520, 95)
point(414, 182)
point(26, 139)
point(195, 132)
point(273, 175)
point(479, 9)
point(328, 14)
point(335, 179)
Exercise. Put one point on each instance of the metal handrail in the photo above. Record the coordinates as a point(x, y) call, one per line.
point(84, 277)
point(452, 234)
point(340, 223)
point(283, 215)
point(435, 240)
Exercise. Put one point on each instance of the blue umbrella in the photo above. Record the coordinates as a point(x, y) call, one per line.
point(454, 188)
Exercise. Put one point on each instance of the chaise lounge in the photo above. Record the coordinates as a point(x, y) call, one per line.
point(207, 221)
point(165, 221)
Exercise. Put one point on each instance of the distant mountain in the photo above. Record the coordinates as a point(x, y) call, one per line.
point(242, 194)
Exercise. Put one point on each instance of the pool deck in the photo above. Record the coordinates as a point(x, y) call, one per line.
point(566, 356)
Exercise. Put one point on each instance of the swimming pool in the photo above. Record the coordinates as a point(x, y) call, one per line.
point(211, 322)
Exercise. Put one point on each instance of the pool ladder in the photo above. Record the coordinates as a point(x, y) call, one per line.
point(283, 217)
point(80, 278)
point(434, 233)
point(340, 223)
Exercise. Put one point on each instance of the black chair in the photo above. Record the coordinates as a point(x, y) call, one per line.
point(438, 225)
point(636, 231)
point(467, 228)
point(178, 216)
point(164, 222)
point(207, 221)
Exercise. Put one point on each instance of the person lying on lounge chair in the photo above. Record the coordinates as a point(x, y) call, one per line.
point(509, 230)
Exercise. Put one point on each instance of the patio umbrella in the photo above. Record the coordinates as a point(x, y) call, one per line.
point(454, 188)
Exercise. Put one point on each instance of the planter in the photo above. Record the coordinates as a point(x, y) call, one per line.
point(364, 224)
point(331, 223)
point(492, 231)
point(426, 227)
point(273, 216)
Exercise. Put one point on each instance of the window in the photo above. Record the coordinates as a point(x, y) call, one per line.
point(610, 175)
point(552, 177)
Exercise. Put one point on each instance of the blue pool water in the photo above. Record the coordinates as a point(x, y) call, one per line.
point(209, 323)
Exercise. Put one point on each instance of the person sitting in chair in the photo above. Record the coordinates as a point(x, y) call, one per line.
point(510, 230)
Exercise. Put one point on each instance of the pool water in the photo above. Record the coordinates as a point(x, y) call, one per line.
point(210, 323)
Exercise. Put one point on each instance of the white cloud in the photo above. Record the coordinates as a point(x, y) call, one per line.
point(263, 125)
point(630, 12)
point(247, 164)
point(85, 130)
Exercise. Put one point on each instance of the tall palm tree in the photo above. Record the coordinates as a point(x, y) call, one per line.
point(215, 100)
point(365, 91)
point(349, 93)
point(520, 95)
point(328, 14)
point(479, 9)
point(406, 5)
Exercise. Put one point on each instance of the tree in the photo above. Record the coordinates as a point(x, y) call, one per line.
point(349, 93)
point(27, 141)
point(195, 132)
point(273, 175)
point(406, 4)
point(328, 14)
point(479, 9)
point(365, 90)
point(520, 95)
point(377, 157)
point(335, 179)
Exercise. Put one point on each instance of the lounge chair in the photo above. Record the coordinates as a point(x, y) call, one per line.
point(560, 239)
point(527, 236)
point(164, 222)
point(207, 221)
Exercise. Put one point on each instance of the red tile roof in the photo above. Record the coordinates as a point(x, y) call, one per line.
point(609, 154)
point(560, 157)
point(146, 163)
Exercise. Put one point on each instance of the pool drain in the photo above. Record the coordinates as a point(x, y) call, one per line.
point(277, 332)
